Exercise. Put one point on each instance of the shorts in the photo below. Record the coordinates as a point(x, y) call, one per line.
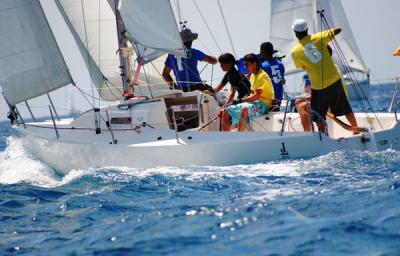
point(332, 97)
point(255, 108)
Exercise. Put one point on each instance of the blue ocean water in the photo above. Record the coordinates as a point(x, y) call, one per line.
point(345, 202)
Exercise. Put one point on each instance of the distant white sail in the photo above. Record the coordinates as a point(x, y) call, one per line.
point(151, 27)
point(336, 17)
point(284, 12)
point(31, 63)
point(92, 22)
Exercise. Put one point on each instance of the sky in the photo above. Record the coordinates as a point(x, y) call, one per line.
point(374, 23)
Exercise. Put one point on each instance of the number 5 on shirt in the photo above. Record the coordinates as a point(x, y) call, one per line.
point(313, 54)
point(276, 74)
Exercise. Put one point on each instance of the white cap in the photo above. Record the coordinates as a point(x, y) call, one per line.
point(299, 25)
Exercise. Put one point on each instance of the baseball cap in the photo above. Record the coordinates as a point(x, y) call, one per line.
point(267, 48)
point(278, 55)
point(187, 35)
point(299, 25)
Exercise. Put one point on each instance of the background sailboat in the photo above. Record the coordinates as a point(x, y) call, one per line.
point(243, 34)
point(284, 12)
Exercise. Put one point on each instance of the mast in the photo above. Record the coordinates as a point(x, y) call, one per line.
point(122, 44)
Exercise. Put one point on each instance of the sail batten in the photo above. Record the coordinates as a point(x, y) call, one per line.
point(31, 63)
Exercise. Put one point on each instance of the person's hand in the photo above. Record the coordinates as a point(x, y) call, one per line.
point(236, 101)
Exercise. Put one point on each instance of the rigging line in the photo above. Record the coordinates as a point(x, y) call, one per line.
point(337, 48)
point(147, 81)
point(208, 27)
point(352, 75)
point(83, 94)
point(99, 43)
point(156, 69)
point(348, 70)
point(178, 8)
point(201, 71)
point(111, 91)
point(87, 46)
point(88, 95)
point(226, 27)
point(205, 46)
point(212, 74)
point(342, 59)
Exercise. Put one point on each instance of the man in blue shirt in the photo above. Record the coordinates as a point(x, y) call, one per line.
point(274, 69)
point(185, 69)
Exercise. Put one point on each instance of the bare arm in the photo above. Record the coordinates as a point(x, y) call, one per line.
point(210, 59)
point(253, 96)
point(231, 95)
point(218, 87)
point(337, 31)
point(167, 77)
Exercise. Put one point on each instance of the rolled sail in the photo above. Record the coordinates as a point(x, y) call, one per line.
point(151, 28)
point(31, 63)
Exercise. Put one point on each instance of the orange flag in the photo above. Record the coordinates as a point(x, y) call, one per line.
point(397, 52)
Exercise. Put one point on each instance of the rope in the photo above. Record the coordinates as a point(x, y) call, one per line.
point(178, 8)
point(226, 27)
point(147, 81)
point(208, 27)
point(355, 84)
point(87, 47)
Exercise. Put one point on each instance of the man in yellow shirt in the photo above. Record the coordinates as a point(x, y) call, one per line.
point(311, 53)
point(257, 103)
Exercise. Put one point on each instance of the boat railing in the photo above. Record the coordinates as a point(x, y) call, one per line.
point(394, 96)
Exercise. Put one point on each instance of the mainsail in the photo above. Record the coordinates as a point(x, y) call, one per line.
point(284, 12)
point(31, 63)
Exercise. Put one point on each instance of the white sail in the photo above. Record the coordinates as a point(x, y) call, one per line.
point(284, 12)
point(151, 28)
point(94, 27)
point(336, 17)
point(31, 63)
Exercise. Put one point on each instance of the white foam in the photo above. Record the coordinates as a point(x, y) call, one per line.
point(16, 165)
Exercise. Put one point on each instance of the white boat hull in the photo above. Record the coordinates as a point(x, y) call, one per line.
point(204, 148)
point(149, 139)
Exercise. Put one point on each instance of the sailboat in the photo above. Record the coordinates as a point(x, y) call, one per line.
point(354, 71)
point(151, 125)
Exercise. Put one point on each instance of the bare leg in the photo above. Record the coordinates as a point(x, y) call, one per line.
point(353, 122)
point(226, 121)
point(243, 120)
point(302, 108)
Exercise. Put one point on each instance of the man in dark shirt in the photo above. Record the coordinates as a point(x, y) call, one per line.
point(239, 83)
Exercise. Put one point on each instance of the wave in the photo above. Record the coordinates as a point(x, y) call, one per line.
point(19, 166)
